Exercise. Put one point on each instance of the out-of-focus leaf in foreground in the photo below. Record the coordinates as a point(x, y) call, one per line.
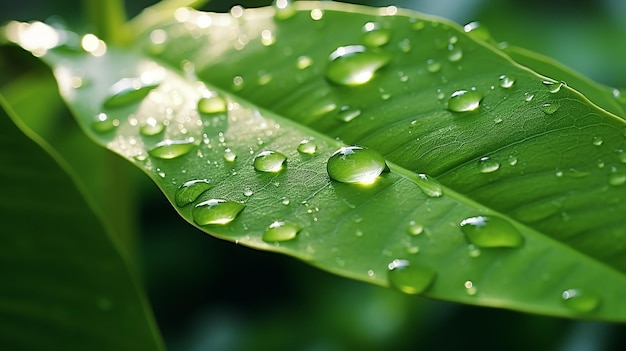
point(65, 285)
point(471, 178)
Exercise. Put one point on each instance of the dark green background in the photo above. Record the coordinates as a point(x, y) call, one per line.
point(212, 295)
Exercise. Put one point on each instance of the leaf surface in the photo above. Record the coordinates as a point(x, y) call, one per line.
point(535, 165)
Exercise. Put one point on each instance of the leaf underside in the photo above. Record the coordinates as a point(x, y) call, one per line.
point(555, 172)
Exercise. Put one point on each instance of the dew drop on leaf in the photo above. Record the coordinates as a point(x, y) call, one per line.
point(617, 179)
point(455, 54)
point(491, 231)
point(216, 211)
point(269, 161)
point(307, 146)
point(553, 87)
point(414, 228)
point(212, 105)
point(354, 65)
point(477, 30)
point(355, 164)
point(169, 149)
point(229, 155)
point(506, 81)
point(433, 65)
point(488, 165)
point(347, 114)
point(580, 301)
point(374, 35)
point(128, 91)
point(429, 186)
point(284, 9)
point(405, 45)
point(410, 278)
point(597, 141)
point(304, 62)
point(550, 108)
point(104, 123)
point(470, 288)
point(464, 100)
point(280, 231)
point(151, 127)
point(189, 191)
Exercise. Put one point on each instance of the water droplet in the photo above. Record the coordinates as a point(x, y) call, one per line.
point(528, 97)
point(512, 160)
point(621, 156)
point(506, 81)
point(464, 100)
point(212, 105)
point(617, 179)
point(491, 231)
point(285, 201)
point(284, 9)
point(238, 83)
point(597, 141)
point(477, 30)
point(487, 165)
point(229, 155)
point(580, 301)
point(347, 114)
point(550, 108)
point(216, 211)
point(307, 146)
point(317, 14)
point(553, 87)
point(433, 66)
point(429, 186)
point(169, 149)
point(405, 45)
point(128, 91)
point(104, 123)
point(374, 35)
point(410, 278)
point(355, 164)
point(304, 62)
point(190, 191)
point(269, 161)
point(280, 231)
point(414, 228)
point(473, 251)
point(354, 65)
point(470, 288)
point(151, 127)
point(455, 53)
point(247, 192)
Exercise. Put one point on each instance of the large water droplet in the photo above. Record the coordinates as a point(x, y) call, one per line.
point(550, 108)
point(464, 100)
point(190, 191)
point(491, 231)
point(374, 35)
point(580, 301)
point(212, 105)
point(355, 164)
point(354, 65)
point(104, 123)
point(410, 278)
point(168, 149)
point(127, 91)
point(429, 186)
point(307, 146)
point(269, 161)
point(488, 165)
point(281, 231)
point(216, 211)
point(506, 81)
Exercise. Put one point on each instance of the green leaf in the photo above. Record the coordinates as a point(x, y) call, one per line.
point(240, 119)
point(65, 284)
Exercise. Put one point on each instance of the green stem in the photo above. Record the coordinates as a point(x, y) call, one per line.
point(109, 19)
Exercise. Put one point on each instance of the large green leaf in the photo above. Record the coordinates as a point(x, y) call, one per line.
point(65, 284)
point(200, 97)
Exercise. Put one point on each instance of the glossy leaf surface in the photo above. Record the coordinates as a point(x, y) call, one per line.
point(235, 116)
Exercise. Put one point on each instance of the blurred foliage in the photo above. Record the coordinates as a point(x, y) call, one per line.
point(213, 295)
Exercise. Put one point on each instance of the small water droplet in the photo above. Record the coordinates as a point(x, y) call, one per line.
point(238, 83)
point(464, 100)
point(528, 97)
point(128, 91)
point(285, 201)
point(151, 127)
point(216, 211)
point(307, 146)
point(455, 53)
point(247, 192)
point(212, 105)
point(355, 164)
point(189, 191)
point(414, 228)
point(280, 231)
point(491, 231)
point(374, 35)
point(304, 62)
point(617, 179)
point(506, 81)
point(597, 141)
point(512, 160)
point(429, 186)
point(169, 149)
point(284, 9)
point(104, 124)
point(269, 161)
point(347, 114)
point(405, 45)
point(580, 301)
point(477, 30)
point(354, 65)
point(621, 156)
point(553, 87)
point(433, 66)
point(410, 278)
point(229, 155)
point(550, 108)
point(473, 251)
point(488, 165)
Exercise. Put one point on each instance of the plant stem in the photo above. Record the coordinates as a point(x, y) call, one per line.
point(109, 19)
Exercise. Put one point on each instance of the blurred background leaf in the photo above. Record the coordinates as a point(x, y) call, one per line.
point(209, 294)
